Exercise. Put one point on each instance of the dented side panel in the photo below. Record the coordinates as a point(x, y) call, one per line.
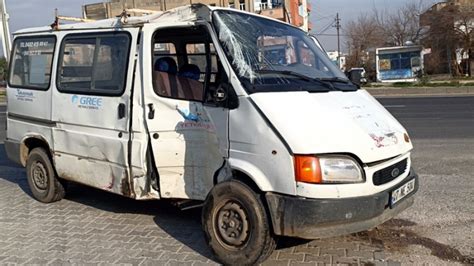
point(91, 140)
point(186, 145)
point(187, 152)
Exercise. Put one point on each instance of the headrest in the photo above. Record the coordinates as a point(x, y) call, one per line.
point(190, 71)
point(166, 64)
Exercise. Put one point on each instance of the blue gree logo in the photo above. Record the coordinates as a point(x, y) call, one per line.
point(87, 101)
point(188, 115)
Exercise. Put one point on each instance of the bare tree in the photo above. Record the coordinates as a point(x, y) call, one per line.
point(401, 26)
point(362, 34)
point(450, 29)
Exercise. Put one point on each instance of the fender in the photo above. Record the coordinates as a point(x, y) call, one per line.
point(253, 172)
point(24, 150)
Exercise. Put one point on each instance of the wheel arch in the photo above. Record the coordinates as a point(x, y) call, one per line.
point(250, 175)
point(29, 142)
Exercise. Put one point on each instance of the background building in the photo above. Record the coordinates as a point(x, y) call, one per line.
point(449, 30)
point(295, 12)
point(399, 64)
point(334, 56)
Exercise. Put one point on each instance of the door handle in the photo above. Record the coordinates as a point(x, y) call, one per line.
point(151, 112)
point(121, 110)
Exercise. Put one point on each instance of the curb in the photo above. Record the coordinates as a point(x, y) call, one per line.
point(420, 91)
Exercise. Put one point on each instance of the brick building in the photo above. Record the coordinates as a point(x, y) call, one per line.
point(295, 12)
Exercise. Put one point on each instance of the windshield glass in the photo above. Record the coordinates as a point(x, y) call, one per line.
point(271, 56)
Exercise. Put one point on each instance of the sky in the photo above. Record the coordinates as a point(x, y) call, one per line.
point(33, 13)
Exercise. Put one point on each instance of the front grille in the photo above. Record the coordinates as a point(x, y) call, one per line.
point(389, 173)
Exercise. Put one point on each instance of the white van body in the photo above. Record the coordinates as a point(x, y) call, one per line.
point(108, 125)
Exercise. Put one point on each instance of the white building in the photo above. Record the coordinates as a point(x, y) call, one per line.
point(334, 55)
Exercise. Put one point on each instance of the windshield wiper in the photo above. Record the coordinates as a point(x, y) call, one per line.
point(336, 79)
point(345, 83)
point(298, 75)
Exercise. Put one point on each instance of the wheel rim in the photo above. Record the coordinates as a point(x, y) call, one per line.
point(40, 176)
point(232, 225)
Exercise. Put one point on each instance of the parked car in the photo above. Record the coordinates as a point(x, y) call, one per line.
point(357, 75)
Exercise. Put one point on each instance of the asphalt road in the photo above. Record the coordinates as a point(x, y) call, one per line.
point(438, 229)
point(442, 130)
point(434, 117)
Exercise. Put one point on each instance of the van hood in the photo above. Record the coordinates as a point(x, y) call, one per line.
point(334, 122)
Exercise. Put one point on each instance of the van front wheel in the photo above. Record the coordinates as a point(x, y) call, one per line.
point(41, 176)
point(236, 224)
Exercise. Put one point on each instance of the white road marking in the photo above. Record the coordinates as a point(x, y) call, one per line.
point(395, 106)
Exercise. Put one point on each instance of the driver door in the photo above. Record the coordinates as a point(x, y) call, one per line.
point(189, 137)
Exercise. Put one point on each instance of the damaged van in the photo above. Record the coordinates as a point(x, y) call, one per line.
point(238, 113)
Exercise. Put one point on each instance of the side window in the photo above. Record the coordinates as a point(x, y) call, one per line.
point(196, 53)
point(32, 61)
point(165, 49)
point(180, 63)
point(94, 64)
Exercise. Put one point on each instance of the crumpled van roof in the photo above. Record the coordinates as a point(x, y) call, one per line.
point(189, 13)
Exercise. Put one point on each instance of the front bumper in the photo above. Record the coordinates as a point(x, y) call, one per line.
point(319, 218)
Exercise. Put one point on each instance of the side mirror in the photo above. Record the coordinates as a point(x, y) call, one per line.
point(355, 77)
point(225, 96)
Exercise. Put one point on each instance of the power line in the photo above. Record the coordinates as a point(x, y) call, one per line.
point(334, 34)
point(328, 26)
point(323, 18)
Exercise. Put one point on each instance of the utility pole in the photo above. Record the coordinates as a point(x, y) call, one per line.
point(5, 31)
point(338, 27)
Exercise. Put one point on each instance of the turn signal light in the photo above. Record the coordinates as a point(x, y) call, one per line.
point(307, 169)
point(407, 138)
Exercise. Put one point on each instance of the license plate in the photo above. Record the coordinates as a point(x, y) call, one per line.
point(402, 192)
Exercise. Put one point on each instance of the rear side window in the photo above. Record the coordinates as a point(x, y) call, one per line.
point(31, 64)
point(94, 64)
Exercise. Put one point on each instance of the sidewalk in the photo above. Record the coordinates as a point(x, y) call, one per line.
point(421, 91)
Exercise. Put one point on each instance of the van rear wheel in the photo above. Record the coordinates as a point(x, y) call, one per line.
point(236, 224)
point(41, 176)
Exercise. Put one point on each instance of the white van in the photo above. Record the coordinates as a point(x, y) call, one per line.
point(240, 113)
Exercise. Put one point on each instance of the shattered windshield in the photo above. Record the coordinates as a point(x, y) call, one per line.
point(271, 56)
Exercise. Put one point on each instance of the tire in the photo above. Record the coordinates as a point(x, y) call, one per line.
point(246, 237)
point(42, 179)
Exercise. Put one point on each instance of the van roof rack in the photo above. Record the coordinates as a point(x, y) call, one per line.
point(57, 18)
point(142, 11)
point(183, 14)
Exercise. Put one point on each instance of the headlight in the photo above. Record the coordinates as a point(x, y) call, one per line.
point(327, 169)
